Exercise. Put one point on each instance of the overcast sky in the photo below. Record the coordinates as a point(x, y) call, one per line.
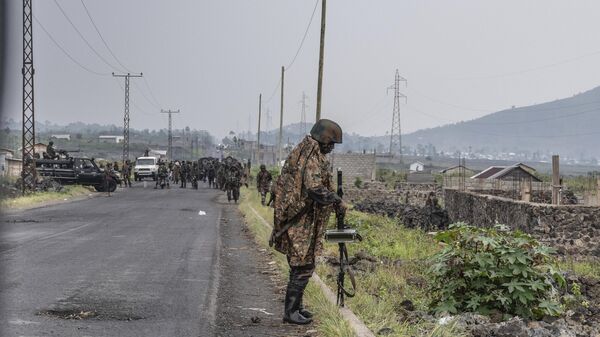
point(211, 59)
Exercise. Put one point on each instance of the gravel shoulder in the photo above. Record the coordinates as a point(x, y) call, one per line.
point(250, 300)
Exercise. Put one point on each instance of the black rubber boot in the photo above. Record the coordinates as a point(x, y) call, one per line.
point(302, 310)
point(292, 304)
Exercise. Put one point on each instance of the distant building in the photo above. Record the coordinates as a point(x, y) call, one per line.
point(417, 167)
point(526, 167)
point(160, 154)
point(455, 170)
point(110, 139)
point(4, 155)
point(505, 173)
point(65, 137)
point(12, 167)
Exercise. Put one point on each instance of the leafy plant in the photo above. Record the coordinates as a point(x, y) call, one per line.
point(358, 182)
point(493, 269)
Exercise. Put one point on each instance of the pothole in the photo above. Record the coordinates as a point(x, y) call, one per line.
point(69, 314)
point(79, 307)
point(81, 314)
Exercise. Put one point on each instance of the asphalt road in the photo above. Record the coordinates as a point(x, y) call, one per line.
point(143, 262)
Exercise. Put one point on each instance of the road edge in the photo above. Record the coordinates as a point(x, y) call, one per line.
point(359, 327)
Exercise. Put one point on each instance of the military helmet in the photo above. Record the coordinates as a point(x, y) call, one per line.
point(262, 166)
point(326, 131)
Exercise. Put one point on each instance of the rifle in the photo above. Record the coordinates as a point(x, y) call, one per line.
point(341, 235)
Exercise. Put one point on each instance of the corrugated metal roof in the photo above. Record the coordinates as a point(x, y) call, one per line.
point(488, 172)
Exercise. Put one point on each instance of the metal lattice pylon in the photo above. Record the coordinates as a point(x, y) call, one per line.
point(28, 176)
point(126, 115)
point(170, 133)
point(395, 135)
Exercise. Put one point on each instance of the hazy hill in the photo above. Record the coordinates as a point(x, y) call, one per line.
point(569, 126)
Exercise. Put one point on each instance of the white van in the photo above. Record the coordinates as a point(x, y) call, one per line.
point(145, 167)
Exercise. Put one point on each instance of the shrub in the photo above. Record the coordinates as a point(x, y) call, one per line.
point(492, 269)
point(358, 182)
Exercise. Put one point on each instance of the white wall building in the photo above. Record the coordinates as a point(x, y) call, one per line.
point(110, 139)
point(417, 167)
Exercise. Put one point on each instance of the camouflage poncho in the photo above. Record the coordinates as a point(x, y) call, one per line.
point(304, 198)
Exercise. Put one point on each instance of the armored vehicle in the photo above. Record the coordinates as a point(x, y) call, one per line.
point(72, 171)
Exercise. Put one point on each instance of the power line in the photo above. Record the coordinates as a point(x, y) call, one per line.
point(528, 70)
point(151, 92)
point(133, 102)
point(101, 37)
point(304, 37)
point(296, 55)
point(83, 38)
point(66, 53)
point(145, 97)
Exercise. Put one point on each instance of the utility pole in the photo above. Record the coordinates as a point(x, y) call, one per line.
point(556, 180)
point(126, 114)
point(170, 132)
point(395, 135)
point(303, 115)
point(28, 131)
point(321, 55)
point(258, 133)
point(281, 117)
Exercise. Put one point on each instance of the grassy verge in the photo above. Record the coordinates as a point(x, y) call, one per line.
point(399, 277)
point(329, 322)
point(34, 199)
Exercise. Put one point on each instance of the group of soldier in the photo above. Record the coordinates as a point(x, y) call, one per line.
point(227, 175)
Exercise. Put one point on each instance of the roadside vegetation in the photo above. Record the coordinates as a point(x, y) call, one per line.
point(407, 278)
point(39, 198)
point(329, 322)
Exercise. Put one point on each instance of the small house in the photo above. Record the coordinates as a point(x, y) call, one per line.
point(110, 139)
point(417, 167)
point(63, 136)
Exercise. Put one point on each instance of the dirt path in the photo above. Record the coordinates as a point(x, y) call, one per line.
point(250, 300)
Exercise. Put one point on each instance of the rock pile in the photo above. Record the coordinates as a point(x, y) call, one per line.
point(431, 217)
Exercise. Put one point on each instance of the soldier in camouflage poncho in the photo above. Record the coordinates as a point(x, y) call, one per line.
point(263, 183)
point(304, 201)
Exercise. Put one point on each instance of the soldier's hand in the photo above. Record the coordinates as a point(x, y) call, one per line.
point(341, 207)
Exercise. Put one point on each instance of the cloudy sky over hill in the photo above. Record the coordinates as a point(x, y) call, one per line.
point(211, 59)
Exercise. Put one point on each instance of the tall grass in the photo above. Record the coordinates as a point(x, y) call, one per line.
point(328, 320)
point(37, 198)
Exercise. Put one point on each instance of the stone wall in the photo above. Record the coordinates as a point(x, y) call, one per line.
point(573, 230)
point(354, 165)
point(404, 193)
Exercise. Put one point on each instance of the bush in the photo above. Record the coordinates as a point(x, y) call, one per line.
point(492, 269)
point(358, 182)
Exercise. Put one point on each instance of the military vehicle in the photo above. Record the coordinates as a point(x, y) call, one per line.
point(76, 171)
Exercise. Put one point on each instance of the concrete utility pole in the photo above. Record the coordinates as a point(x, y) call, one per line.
point(321, 55)
point(555, 180)
point(281, 117)
point(303, 114)
point(126, 114)
point(28, 131)
point(395, 135)
point(258, 133)
point(170, 132)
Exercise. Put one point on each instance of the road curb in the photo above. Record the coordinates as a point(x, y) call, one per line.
point(359, 327)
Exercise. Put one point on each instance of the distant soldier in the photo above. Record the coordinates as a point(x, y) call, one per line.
point(126, 173)
point(176, 172)
point(263, 183)
point(108, 179)
point(304, 201)
point(163, 174)
point(183, 171)
point(211, 174)
point(50, 151)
